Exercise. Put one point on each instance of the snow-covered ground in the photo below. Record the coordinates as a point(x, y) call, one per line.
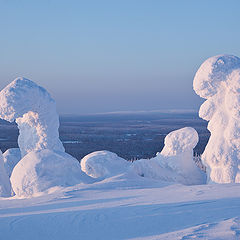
point(123, 208)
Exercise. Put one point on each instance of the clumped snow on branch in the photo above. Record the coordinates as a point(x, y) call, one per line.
point(11, 157)
point(34, 111)
point(175, 162)
point(218, 81)
point(181, 141)
point(5, 185)
point(102, 164)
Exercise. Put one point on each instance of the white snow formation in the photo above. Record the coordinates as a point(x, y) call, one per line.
point(34, 111)
point(175, 162)
point(5, 185)
point(44, 163)
point(218, 81)
point(102, 164)
point(11, 157)
point(41, 170)
point(181, 141)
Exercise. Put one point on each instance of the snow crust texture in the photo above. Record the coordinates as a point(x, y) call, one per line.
point(102, 164)
point(41, 170)
point(34, 111)
point(125, 209)
point(175, 162)
point(218, 81)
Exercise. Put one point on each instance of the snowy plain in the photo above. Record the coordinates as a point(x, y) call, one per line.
point(123, 208)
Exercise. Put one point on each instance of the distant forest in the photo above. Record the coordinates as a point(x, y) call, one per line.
point(131, 136)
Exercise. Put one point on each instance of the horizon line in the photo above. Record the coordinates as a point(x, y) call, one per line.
point(173, 111)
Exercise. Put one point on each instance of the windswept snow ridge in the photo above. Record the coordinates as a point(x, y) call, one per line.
point(218, 81)
point(34, 111)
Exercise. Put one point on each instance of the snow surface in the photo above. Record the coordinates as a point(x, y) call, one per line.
point(125, 208)
point(11, 157)
point(175, 162)
point(102, 164)
point(42, 170)
point(34, 111)
point(218, 81)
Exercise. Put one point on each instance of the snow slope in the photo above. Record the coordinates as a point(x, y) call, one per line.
point(117, 208)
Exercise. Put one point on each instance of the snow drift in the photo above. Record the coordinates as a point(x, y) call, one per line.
point(218, 81)
point(175, 162)
point(11, 157)
point(41, 170)
point(34, 111)
point(102, 164)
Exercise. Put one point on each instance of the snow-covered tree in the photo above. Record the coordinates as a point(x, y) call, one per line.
point(218, 81)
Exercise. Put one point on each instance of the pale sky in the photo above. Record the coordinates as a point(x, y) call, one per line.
point(104, 56)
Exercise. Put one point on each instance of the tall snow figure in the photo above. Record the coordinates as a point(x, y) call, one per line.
point(34, 111)
point(218, 81)
point(44, 164)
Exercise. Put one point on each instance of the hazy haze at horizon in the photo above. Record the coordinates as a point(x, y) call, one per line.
point(105, 56)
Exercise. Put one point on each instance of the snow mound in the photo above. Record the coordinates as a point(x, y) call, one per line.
point(175, 162)
point(33, 109)
point(41, 170)
point(11, 157)
point(179, 141)
point(5, 185)
point(102, 164)
point(218, 81)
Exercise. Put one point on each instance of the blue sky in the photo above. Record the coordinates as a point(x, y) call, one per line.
point(102, 56)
